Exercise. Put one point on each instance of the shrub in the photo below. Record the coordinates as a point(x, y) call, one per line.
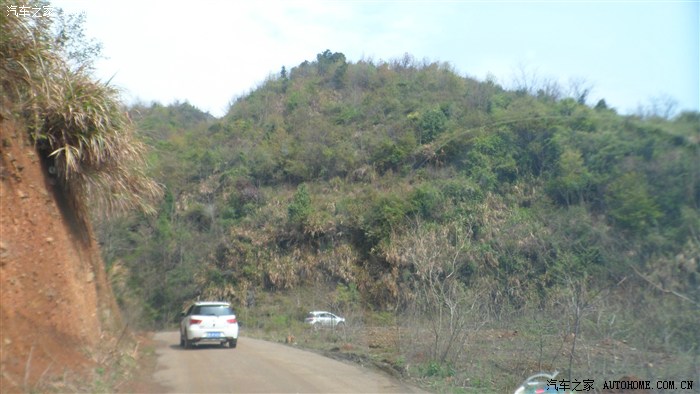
point(427, 201)
point(385, 215)
point(300, 207)
point(461, 190)
point(435, 369)
point(630, 203)
point(431, 124)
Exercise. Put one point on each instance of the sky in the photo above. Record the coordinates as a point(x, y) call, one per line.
point(210, 52)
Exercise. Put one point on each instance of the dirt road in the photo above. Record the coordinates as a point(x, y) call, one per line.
point(257, 366)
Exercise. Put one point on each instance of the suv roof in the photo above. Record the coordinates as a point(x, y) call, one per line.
point(211, 303)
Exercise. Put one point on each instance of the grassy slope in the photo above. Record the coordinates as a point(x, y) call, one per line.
point(546, 206)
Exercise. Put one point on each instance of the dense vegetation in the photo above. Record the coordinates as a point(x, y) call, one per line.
point(401, 186)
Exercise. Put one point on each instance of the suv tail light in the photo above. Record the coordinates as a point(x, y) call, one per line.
point(195, 321)
point(231, 321)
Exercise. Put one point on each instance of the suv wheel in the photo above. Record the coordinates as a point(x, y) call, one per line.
point(232, 343)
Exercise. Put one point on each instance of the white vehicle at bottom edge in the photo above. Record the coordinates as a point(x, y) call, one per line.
point(209, 322)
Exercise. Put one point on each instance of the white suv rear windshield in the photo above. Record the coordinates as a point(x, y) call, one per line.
point(212, 310)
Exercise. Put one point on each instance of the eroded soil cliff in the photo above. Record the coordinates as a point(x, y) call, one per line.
point(58, 317)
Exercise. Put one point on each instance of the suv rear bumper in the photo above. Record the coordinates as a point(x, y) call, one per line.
point(200, 334)
point(213, 340)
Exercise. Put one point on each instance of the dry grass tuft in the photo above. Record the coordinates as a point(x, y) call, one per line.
point(77, 122)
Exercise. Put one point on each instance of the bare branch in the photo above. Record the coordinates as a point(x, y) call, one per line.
point(661, 289)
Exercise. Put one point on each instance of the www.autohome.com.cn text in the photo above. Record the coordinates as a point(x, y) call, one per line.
point(565, 385)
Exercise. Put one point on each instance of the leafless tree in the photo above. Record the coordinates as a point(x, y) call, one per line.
point(660, 106)
point(532, 83)
point(439, 296)
point(579, 89)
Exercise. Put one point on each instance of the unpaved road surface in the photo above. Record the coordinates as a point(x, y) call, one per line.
point(256, 366)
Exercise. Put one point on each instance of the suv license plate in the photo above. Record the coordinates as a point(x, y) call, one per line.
point(213, 334)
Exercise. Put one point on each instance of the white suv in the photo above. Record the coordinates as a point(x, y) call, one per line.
point(324, 319)
point(210, 322)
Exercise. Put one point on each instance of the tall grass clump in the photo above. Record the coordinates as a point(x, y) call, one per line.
point(78, 124)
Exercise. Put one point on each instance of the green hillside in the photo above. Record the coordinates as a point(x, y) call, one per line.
point(403, 189)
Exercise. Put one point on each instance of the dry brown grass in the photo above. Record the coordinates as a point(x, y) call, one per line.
point(77, 123)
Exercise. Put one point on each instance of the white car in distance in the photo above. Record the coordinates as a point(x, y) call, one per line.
point(320, 319)
point(209, 322)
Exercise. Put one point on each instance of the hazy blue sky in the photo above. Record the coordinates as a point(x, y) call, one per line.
point(209, 52)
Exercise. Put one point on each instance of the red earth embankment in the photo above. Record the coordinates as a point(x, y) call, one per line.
point(57, 311)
